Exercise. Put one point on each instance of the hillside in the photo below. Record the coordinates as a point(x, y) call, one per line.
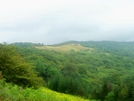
point(65, 48)
point(9, 92)
point(94, 70)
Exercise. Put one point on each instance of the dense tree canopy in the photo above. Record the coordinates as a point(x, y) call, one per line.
point(15, 69)
point(104, 72)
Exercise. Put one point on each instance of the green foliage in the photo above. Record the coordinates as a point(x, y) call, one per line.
point(106, 73)
point(15, 69)
point(110, 97)
point(9, 92)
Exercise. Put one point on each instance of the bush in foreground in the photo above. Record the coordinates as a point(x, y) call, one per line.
point(9, 92)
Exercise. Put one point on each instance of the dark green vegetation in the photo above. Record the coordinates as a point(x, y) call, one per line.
point(104, 73)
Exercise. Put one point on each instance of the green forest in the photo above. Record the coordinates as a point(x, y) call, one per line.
point(92, 70)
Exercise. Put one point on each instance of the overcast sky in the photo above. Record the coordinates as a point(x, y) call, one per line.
point(55, 21)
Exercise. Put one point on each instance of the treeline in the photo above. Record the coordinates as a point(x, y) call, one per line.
point(106, 73)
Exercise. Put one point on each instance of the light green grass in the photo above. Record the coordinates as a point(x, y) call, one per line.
point(55, 96)
point(9, 92)
point(64, 48)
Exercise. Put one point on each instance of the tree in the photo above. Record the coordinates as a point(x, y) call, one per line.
point(70, 70)
point(15, 69)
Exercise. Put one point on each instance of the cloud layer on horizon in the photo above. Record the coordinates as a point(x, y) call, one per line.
point(51, 22)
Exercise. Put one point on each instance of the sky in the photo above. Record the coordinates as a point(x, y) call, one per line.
point(56, 21)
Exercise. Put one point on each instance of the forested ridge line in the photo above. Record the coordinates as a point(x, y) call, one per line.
point(105, 73)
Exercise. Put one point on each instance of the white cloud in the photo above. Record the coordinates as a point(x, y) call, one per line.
point(53, 21)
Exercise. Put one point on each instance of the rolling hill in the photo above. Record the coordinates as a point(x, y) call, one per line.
point(66, 47)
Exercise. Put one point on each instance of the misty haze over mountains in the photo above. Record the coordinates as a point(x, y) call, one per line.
point(52, 22)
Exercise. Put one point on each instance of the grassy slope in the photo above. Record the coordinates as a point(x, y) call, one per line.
point(55, 96)
point(15, 93)
point(67, 47)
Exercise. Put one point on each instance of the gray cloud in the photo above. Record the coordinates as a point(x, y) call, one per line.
point(76, 20)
